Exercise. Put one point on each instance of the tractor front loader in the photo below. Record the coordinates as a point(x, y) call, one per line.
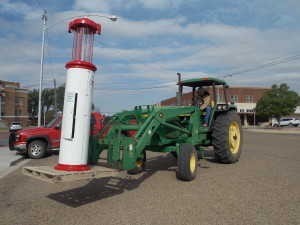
point(175, 129)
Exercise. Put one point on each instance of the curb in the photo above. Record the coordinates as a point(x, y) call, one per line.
point(273, 131)
point(14, 162)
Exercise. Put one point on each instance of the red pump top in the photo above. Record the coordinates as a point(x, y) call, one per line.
point(82, 52)
point(85, 22)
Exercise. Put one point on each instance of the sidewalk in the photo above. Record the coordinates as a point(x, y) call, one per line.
point(8, 159)
point(282, 130)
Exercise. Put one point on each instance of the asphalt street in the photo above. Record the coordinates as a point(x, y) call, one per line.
point(262, 188)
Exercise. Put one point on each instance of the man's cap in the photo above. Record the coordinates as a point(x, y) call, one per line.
point(200, 90)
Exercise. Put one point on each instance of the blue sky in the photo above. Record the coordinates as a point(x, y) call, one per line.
point(139, 55)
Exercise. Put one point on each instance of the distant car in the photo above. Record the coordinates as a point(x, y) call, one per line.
point(15, 126)
point(291, 122)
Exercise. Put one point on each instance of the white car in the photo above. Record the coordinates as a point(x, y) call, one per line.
point(15, 126)
point(291, 122)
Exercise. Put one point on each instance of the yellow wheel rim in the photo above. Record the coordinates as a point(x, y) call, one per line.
point(234, 137)
point(139, 163)
point(193, 162)
point(140, 160)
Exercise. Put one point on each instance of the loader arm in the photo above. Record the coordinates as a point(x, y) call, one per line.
point(154, 126)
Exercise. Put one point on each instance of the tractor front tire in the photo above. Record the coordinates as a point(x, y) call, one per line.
point(187, 162)
point(140, 164)
point(227, 137)
point(36, 149)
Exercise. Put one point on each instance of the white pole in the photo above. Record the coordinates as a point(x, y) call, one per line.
point(44, 17)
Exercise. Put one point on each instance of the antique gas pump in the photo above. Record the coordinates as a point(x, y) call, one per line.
point(78, 97)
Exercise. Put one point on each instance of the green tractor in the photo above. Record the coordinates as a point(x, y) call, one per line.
point(177, 130)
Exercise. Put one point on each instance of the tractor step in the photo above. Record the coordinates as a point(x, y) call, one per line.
point(51, 175)
point(206, 154)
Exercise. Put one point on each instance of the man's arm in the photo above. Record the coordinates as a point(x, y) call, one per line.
point(206, 102)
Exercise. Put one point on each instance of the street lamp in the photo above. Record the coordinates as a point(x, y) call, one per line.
point(44, 18)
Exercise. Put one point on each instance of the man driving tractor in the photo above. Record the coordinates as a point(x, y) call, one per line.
point(204, 102)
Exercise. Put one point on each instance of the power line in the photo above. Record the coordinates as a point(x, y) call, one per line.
point(268, 65)
point(39, 3)
point(295, 57)
point(135, 60)
point(253, 62)
point(51, 65)
point(274, 63)
point(44, 9)
point(44, 83)
point(15, 50)
point(134, 89)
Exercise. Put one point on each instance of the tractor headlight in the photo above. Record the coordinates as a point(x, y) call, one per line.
point(222, 107)
point(17, 137)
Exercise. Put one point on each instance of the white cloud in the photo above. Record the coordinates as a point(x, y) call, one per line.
point(22, 9)
point(162, 4)
point(95, 5)
point(110, 6)
point(103, 6)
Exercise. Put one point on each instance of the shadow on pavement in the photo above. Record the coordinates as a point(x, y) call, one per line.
point(102, 188)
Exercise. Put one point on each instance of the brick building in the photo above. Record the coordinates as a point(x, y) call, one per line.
point(13, 103)
point(245, 98)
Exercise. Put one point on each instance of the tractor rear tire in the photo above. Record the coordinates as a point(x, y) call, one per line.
point(187, 162)
point(227, 137)
point(140, 164)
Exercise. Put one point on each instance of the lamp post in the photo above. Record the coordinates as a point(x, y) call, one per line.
point(44, 18)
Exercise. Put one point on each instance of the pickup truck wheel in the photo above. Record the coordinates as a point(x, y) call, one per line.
point(187, 162)
point(36, 149)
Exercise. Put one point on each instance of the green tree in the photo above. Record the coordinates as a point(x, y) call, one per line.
point(47, 99)
point(47, 102)
point(60, 93)
point(278, 102)
point(33, 102)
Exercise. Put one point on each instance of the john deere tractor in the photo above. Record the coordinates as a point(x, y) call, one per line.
point(177, 130)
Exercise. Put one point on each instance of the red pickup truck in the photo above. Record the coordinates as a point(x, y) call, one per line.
point(36, 141)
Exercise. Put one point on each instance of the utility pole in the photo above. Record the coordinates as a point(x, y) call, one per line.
point(44, 18)
point(179, 93)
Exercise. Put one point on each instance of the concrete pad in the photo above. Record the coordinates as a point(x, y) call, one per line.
point(9, 158)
